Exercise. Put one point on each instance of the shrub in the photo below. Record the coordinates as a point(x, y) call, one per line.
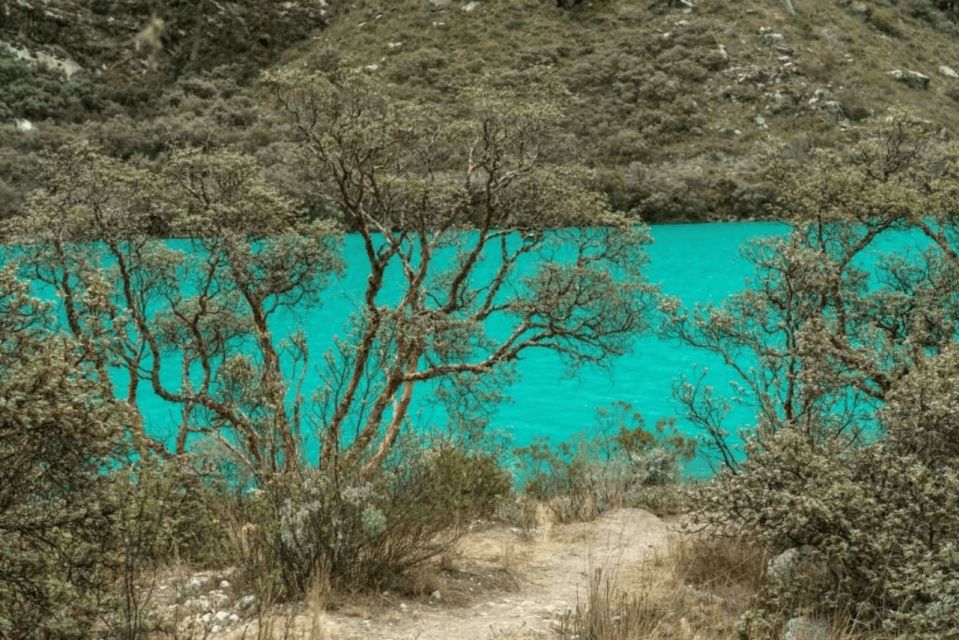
point(885, 516)
point(57, 433)
point(361, 532)
point(623, 464)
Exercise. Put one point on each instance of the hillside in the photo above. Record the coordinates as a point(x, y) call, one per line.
point(674, 103)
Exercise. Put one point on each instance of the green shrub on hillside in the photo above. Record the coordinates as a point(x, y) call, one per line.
point(39, 95)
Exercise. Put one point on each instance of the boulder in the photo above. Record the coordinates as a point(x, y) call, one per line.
point(912, 79)
point(803, 565)
point(23, 126)
point(246, 602)
point(947, 71)
point(201, 603)
point(806, 628)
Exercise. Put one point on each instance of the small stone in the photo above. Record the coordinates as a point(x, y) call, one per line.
point(221, 616)
point(761, 121)
point(246, 602)
point(770, 37)
point(225, 584)
point(23, 126)
point(470, 6)
point(436, 596)
point(948, 71)
point(216, 629)
point(372, 67)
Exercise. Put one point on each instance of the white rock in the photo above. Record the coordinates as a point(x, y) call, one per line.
point(24, 126)
point(225, 584)
point(948, 71)
point(221, 616)
point(806, 628)
point(436, 596)
point(216, 629)
point(470, 6)
point(246, 602)
point(201, 603)
point(805, 563)
point(913, 79)
point(372, 67)
point(195, 584)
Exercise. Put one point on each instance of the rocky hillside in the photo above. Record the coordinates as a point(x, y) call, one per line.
point(674, 102)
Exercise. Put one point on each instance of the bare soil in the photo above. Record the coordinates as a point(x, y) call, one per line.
point(504, 584)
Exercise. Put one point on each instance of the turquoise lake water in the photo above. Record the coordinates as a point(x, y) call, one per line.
point(696, 262)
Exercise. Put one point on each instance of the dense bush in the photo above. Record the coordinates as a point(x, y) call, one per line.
point(885, 517)
point(37, 95)
point(57, 432)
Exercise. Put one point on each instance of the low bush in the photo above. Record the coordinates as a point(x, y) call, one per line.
point(363, 531)
point(621, 463)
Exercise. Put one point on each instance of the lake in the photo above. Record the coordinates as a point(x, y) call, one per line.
point(696, 262)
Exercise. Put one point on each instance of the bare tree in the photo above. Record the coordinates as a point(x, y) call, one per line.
point(496, 251)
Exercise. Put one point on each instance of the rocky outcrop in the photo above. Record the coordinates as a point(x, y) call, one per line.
point(912, 79)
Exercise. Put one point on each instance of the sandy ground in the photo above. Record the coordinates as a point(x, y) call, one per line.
point(504, 585)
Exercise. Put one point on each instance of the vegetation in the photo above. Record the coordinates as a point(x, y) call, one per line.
point(430, 197)
point(673, 110)
point(191, 200)
point(852, 453)
point(619, 463)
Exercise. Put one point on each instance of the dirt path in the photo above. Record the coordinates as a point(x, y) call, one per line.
point(550, 574)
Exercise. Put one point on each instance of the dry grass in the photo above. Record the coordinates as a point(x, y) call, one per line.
point(692, 590)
